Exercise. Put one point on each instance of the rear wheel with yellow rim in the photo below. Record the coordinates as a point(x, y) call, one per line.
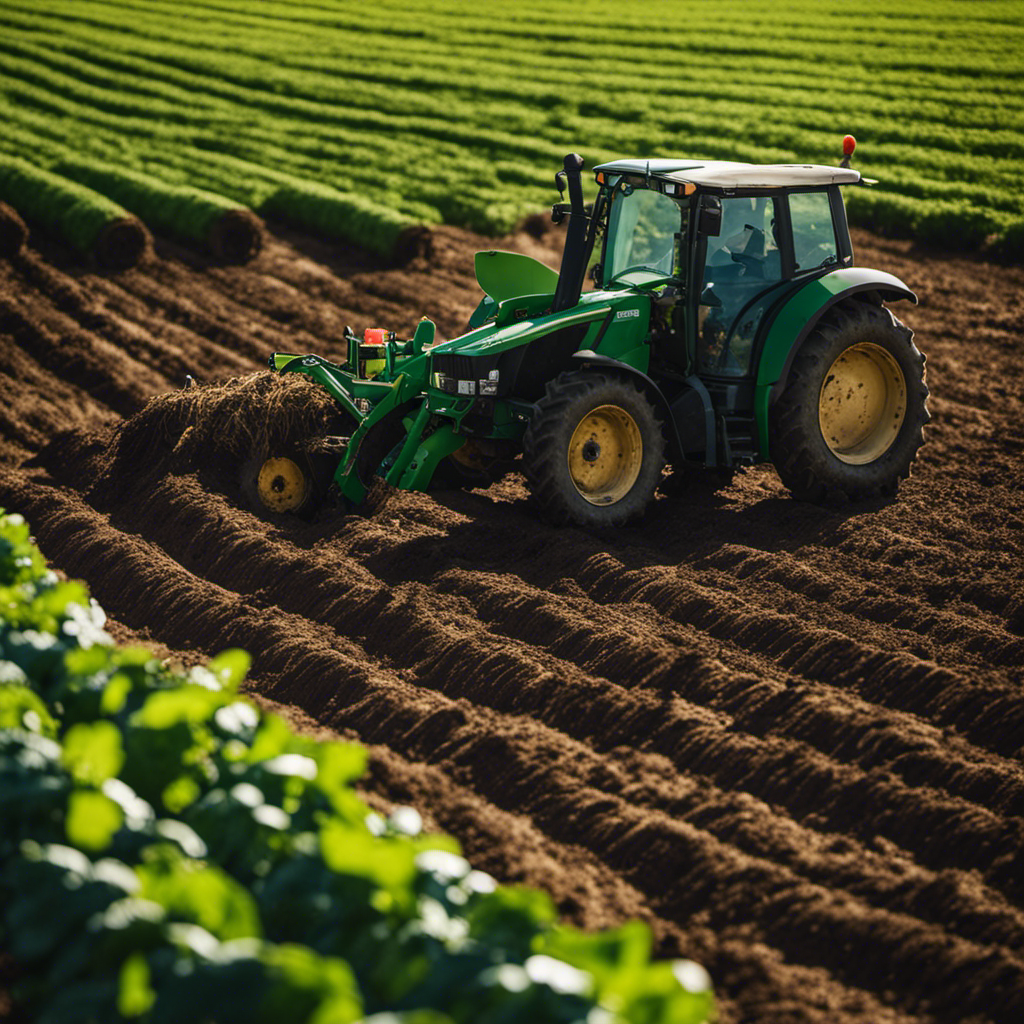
point(850, 419)
point(594, 450)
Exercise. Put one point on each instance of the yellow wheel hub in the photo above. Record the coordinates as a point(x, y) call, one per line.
point(281, 485)
point(605, 455)
point(862, 404)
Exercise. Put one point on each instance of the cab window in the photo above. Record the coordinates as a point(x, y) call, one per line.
point(642, 230)
point(814, 236)
point(742, 266)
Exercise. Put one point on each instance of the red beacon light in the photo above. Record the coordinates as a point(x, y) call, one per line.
point(372, 358)
point(849, 145)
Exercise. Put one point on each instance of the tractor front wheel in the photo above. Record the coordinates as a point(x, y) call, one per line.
point(594, 450)
point(851, 416)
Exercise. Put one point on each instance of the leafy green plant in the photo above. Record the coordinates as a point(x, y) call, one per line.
point(165, 845)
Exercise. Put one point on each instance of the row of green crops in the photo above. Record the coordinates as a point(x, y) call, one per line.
point(459, 113)
point(188, 214)
point(168, 853)
point(86, 202)
point(91, 222)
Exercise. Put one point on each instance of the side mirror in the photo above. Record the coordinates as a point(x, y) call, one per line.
point(709, 216)
point(560, 183)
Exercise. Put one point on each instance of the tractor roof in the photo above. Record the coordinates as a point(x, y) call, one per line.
point(727, 174)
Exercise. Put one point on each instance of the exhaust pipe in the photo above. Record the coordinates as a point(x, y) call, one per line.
point(574, 255)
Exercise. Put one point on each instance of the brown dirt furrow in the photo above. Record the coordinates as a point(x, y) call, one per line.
point(835, 597)
point(439, 641)
point(169, 349)
point(443, 287)
point(92, 305)
point(76, 356)
point(276, 291)
point(618, 643)
point(231, 335)
point(990, 714)
point(886, 564)
point(268, 307)
point(36, 405)
point(743, 632)
point(516, 763)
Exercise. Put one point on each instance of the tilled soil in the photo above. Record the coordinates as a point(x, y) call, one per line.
point(790, 738)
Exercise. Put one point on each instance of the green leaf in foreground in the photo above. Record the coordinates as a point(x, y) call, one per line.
point(194, 891)
point(136, 995)
point(93, 752)
point(92, 820)
point(20, 708)
point(390, 865)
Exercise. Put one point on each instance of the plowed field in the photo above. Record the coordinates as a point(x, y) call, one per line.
point(789, 738)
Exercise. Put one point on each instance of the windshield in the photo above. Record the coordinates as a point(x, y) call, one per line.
point(642, 230)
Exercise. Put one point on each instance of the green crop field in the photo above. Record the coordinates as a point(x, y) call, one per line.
point(409, 111)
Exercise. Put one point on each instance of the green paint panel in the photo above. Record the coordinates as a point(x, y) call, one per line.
point(625, 335)
point(506, 275)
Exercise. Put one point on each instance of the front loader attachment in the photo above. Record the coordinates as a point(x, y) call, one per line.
point(390, 412)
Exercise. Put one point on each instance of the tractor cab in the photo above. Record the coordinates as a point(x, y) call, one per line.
point(723, 242)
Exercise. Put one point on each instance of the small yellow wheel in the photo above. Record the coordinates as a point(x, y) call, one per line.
point(605, 454)
point(281, 485)
point(862, 404)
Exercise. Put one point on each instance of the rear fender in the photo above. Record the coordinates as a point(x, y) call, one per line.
point(797, 317)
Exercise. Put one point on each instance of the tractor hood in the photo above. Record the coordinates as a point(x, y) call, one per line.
point(525, 317)
point(614, 320)
point(528, 344)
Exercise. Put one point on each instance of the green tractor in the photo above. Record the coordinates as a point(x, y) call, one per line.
point(726, 326)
